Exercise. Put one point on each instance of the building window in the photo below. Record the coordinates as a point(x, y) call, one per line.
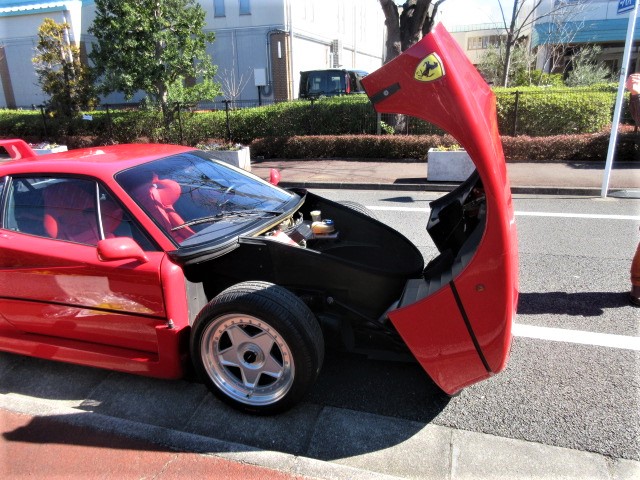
point(245, 7)
point(218, 8)
point(482, 43)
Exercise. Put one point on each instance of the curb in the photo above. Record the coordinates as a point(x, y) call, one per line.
point(466, 454)
point(370, 186)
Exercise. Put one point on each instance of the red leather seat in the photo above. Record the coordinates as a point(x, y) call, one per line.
point(111, 215)
point(70, 213)
point(158, 198)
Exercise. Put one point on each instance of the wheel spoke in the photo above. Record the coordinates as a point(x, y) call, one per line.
point(272, 367)
point(264, 341)
point(237, 335)
point(250, 377)
point(229, 357)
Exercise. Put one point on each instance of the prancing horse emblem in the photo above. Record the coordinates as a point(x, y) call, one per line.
point(429, 69)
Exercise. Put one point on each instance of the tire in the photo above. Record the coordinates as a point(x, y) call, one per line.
point(257, 347)
point(358, 208)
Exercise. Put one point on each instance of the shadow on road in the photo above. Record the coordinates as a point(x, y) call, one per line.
point(357, 406)
point(586, 304)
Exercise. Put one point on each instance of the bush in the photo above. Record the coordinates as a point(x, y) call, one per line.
point(357, 147)
point(558, 148)
point(562, 148)
point(543, 111)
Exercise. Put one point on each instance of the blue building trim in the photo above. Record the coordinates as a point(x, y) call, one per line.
point(589, 31)
point(13, 13)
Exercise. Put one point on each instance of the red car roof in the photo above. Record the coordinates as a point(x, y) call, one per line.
point(96, 161)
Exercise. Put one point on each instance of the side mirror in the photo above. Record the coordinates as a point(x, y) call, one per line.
point(120, 248)
point(274, 176)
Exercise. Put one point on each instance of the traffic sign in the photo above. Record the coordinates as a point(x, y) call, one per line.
point(625, 6)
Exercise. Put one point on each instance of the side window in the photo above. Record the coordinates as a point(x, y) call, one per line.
point(66, 209)
point(116, 222)
point(60, 208)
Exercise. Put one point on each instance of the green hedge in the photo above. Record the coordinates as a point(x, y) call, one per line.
point(554, 112)
point(540, 112)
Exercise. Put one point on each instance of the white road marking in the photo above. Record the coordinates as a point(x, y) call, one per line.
point(598, 216)
point(579, 215)
point(398, 209)
point(577, 336)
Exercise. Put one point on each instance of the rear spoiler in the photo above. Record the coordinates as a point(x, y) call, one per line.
point(17, 148)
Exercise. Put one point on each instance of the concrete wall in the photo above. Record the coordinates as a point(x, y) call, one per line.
point(18, 38)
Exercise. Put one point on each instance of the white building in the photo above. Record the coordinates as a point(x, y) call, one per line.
point(266, 42)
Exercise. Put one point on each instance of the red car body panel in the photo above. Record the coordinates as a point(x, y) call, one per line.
point(434, 81)
point(70, 306)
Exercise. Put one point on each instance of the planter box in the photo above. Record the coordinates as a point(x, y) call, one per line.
point(238, 158)
point(452, 166)
point(45, 151)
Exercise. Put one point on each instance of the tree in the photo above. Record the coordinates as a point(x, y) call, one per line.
point(231, 83)
point(154, 46)
point(586, 69)
point(404, 30)
point(561, 27)
point(524, 16)
point(61, 74)
point(407, 28)
point(492, 62)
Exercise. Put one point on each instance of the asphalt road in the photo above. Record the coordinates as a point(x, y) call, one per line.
point(576, 390)
point(575, 255)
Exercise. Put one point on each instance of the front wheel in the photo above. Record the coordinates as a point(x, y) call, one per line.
point(258, 347)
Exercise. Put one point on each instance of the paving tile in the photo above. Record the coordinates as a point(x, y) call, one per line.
point(289, 432)
point(165, 403)
point(477, 455)
point(625, 469)
point(7, 362)
point(381, 444)
point(50, 380)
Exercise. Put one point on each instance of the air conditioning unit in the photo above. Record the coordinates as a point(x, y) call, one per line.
point(336, 53)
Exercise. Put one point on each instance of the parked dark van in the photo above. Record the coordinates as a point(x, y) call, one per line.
point(330, 82)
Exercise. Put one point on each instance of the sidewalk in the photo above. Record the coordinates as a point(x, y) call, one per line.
point(574, 178)
point(46, 439)
point(41, 447)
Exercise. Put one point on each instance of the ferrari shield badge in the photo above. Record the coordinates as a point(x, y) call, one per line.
point(429, 69)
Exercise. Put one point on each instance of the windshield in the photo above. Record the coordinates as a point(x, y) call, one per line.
point(194, 199)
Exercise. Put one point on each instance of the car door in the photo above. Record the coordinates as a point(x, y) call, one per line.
point(52, 282)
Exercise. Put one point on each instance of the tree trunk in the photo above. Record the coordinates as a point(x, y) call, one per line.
point(403, 31)
point(511, 40)
point(392, 22)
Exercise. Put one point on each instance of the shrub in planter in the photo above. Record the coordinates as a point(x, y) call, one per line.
point(400, 147)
